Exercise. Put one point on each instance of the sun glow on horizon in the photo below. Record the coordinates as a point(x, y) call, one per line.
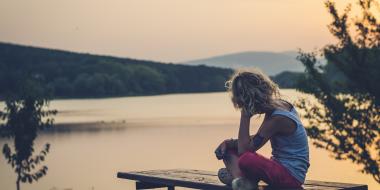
point(167, 30)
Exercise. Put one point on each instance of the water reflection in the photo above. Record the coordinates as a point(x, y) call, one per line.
point(155, 135)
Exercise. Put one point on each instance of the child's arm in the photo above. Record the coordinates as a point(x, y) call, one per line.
point(233, 143)
point(243, 137)
point(268, 128)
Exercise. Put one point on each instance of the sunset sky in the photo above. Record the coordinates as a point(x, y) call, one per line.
point(166, 30)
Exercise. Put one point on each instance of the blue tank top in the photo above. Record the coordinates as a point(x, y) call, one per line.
point(292, 151)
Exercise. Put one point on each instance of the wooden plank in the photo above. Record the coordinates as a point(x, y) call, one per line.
point(346, 186)
point(174, 178)
point(199, 179)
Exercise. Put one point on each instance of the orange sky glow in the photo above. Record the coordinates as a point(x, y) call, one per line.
point(167, 30)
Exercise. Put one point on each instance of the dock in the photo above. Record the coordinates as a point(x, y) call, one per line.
point(199, 179)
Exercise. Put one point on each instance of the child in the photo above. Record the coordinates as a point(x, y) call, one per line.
point(254, 93)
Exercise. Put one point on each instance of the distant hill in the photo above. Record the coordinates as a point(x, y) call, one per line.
point(271, 63)
point(79, 75)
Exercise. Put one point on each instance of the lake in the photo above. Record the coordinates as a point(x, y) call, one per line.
point(150, 132)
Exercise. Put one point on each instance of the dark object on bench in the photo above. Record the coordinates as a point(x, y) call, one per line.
point(198, 179)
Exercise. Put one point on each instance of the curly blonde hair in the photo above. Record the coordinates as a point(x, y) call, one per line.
point(252, 91)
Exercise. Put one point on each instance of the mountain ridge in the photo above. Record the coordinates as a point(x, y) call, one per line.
point(271, 63)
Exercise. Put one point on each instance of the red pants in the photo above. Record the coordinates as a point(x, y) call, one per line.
point(257, 167)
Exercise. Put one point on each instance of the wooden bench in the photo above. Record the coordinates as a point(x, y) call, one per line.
point(198, 179)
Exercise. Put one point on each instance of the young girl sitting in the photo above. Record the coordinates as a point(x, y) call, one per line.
point(254, 93)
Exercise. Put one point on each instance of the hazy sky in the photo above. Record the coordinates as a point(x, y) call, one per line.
point(166, 30)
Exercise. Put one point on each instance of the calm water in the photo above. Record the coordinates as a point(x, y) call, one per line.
point(161, 132)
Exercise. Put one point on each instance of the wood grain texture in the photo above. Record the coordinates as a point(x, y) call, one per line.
point(199, 179)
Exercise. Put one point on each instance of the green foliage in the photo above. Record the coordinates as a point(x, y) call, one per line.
point(73, 75)
point(24, 114)
point(287, 79)
point(345, 120)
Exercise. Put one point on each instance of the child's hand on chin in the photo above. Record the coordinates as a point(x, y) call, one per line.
point(245, 113)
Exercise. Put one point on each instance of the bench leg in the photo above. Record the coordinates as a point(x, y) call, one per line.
point(145, 185)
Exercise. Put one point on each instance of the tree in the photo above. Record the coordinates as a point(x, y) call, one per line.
point(25, 113)
point(345, 118)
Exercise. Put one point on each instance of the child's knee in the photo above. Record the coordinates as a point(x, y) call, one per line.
point(248, 160)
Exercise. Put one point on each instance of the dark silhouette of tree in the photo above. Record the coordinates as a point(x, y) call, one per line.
point(25, 113)
point(74, 75)
point(345, 118)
